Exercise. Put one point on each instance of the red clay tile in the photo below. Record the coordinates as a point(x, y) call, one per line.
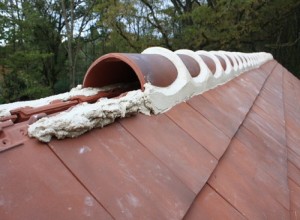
point(270, 155)
point(187, 159)
point(271, 91)
point(35, 184)
point(293, 145)
point(200, 129)
point(252, 81)
point(291, 112)
point(294, 158)
point(210, 205)
point(275, 111)
point(258, 162)
point(268, 66)
point(124, 176)
point(295, 200)
point(213, 114)
point(291, 87)
point(231, 102)
point(227, 104)
point(239, 181)
point(130, 67)
point(154, 167)
point(260, 126)
point(294, 173)
point(291, 96)
point(279, 122)
point(293, 130)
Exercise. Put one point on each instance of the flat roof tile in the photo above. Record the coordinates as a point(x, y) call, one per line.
point(237, 179)
point(124, 176)
point(181, 153)
point(210, 205)
point(202, 130)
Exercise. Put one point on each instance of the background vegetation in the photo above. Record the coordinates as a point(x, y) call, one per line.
point(47, 45)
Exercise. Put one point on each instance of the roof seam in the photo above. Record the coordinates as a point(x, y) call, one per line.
point(208, 118)
point(292, 180)
point(283, 107)
point(285, 131)
point(167, 167)
point(231, 139)
point(262, 169)
point(246, 115)
point(273, 139)
point(252, 133)
point(79, 181)
point(191, 136)
point(258, 96)
point(271, 118)
point(229, 203)
point(291, 149)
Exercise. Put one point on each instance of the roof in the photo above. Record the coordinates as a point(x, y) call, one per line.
point(231, 152)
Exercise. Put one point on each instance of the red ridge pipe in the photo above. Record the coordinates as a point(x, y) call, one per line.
point(129, 67)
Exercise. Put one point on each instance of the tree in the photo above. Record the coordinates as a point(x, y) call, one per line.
point(52, 43)
point(32, 41)
point(78, 16)
point(252, 25)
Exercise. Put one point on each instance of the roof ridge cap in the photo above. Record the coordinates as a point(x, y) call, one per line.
point(154, 99)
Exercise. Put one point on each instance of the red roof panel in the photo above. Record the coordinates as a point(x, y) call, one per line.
point(123, 175)
point(240, 180)
point(35, 184)
point(184, 156)
point(202, 130)
point(204, 207)
point(230, 153)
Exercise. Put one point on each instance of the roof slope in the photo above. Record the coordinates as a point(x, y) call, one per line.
point(231, 153)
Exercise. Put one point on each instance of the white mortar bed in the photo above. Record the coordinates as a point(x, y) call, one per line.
point(77, 91)
point(85, 117)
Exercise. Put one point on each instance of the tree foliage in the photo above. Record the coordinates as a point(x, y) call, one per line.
point(47, 45)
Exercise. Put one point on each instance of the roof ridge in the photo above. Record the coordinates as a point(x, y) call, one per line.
point(214, 68)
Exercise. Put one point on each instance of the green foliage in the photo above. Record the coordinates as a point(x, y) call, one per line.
point(32, 51)
point(17, 87)
point(47, 46)
point(247, 26)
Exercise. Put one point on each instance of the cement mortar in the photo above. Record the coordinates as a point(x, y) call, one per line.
point(85, 117)
point(155, 100)
point(6, 108)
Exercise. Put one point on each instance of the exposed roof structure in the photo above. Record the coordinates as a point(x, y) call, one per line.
point(231, 152)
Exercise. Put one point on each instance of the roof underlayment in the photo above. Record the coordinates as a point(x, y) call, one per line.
point(231, 152)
